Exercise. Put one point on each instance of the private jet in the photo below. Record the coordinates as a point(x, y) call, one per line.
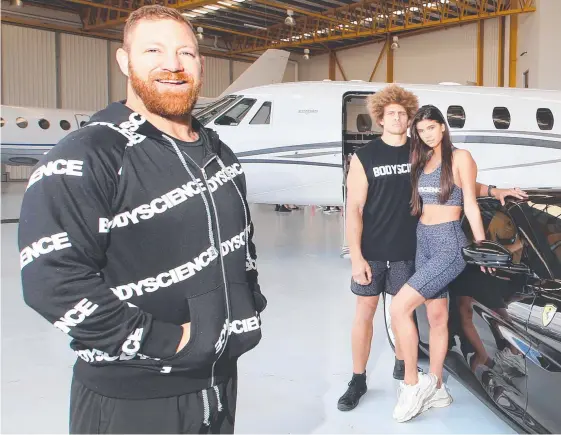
point(295, 140)
point(30, 132)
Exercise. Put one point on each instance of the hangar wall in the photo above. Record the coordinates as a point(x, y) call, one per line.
point(89, 75)
point(30, 79)
point(451, 54)
point(430, 58)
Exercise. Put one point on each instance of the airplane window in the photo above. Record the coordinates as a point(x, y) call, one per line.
point(456, 117)
point(2, 122)
point(501, 118)
point(263, 115)
point(44, 124)
point(545, 119)
point(236, 114)
point(64, 124)
point(21, 122)
point(205, 115)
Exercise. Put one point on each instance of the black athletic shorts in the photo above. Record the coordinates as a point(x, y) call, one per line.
point(92, 413)
point(387, 276)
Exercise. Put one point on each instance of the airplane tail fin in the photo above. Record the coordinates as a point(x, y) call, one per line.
point(266, 70)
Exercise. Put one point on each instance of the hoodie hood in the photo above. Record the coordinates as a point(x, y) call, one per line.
point(134, 124)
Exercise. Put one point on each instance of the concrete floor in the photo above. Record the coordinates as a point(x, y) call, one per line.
point(289, 384)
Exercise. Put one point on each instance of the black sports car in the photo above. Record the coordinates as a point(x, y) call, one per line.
point(505, 331)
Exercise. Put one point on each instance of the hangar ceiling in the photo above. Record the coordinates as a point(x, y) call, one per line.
point(241, 27)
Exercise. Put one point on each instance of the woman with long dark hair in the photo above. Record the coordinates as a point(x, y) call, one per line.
point(444, 183)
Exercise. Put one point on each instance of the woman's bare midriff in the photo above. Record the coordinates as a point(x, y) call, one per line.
point(434, 214)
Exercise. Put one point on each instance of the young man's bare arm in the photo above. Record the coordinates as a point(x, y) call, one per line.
point(357, 189)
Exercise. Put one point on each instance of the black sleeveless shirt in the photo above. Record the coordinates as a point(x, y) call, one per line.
point(389, 230)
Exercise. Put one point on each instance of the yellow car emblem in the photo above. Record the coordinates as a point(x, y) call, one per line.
point(548, 313)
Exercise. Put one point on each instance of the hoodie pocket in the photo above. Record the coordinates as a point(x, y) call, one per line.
point(245, 323)
point(207, 322)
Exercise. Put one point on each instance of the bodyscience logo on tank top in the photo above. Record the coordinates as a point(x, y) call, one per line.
point(381, 171)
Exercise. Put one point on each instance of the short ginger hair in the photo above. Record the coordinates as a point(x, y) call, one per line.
point(151, 12)
point(392, 94)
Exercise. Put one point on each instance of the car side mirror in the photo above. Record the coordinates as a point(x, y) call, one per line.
point(492, 254)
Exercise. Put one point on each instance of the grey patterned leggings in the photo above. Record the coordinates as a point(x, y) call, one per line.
point(438, 260)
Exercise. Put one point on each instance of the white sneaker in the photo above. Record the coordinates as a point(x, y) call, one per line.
point(440, 399)
point(413, 397)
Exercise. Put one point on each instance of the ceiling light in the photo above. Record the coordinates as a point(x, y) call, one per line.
point(289, 21)
point(212, 7)
point(200, 35)
point(187, 14)
point(253, 26)
point(200, 11)
point(225, 3)
point(17, 3)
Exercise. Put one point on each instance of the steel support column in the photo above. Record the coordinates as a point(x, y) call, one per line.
point(480, 51)
point(389, 60)
point(513, 51)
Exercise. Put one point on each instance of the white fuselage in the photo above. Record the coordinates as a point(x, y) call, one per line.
point(297, 158)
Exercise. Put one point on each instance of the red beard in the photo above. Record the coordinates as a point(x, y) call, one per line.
point(166, 103)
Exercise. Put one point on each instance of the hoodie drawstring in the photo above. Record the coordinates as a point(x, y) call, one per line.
point(206, 409)
point(218, 398)
point(206, 405)
point(208, 215)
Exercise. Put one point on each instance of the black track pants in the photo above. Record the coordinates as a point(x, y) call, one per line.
point(92, 413)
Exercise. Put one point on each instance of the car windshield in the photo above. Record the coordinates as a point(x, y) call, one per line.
point(544, 214)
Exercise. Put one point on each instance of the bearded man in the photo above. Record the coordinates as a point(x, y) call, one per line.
point(136, 241)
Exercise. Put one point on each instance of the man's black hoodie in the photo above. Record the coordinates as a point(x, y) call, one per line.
point(123, 238)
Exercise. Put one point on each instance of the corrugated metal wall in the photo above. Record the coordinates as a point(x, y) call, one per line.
point(216, 76)
point(83, 73)
point(28, 67)
point(117, 79)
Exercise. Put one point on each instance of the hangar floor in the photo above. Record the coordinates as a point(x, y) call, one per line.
point(289, 384)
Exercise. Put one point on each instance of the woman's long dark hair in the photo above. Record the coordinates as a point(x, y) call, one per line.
point(421, 153)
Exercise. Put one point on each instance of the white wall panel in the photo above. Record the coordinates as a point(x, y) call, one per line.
point(491, 52)
point(289, 72)
point(117, 78)
point(547, 44)
point(28, 67)
point(448, 55)
point(83, 72)
point(528, 43)
point(315, 68)
point(359, 62)
point(216, 76)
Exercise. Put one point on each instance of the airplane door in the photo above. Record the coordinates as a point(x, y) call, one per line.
point(357, 130)
point(489, 315)
point(81, 120)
